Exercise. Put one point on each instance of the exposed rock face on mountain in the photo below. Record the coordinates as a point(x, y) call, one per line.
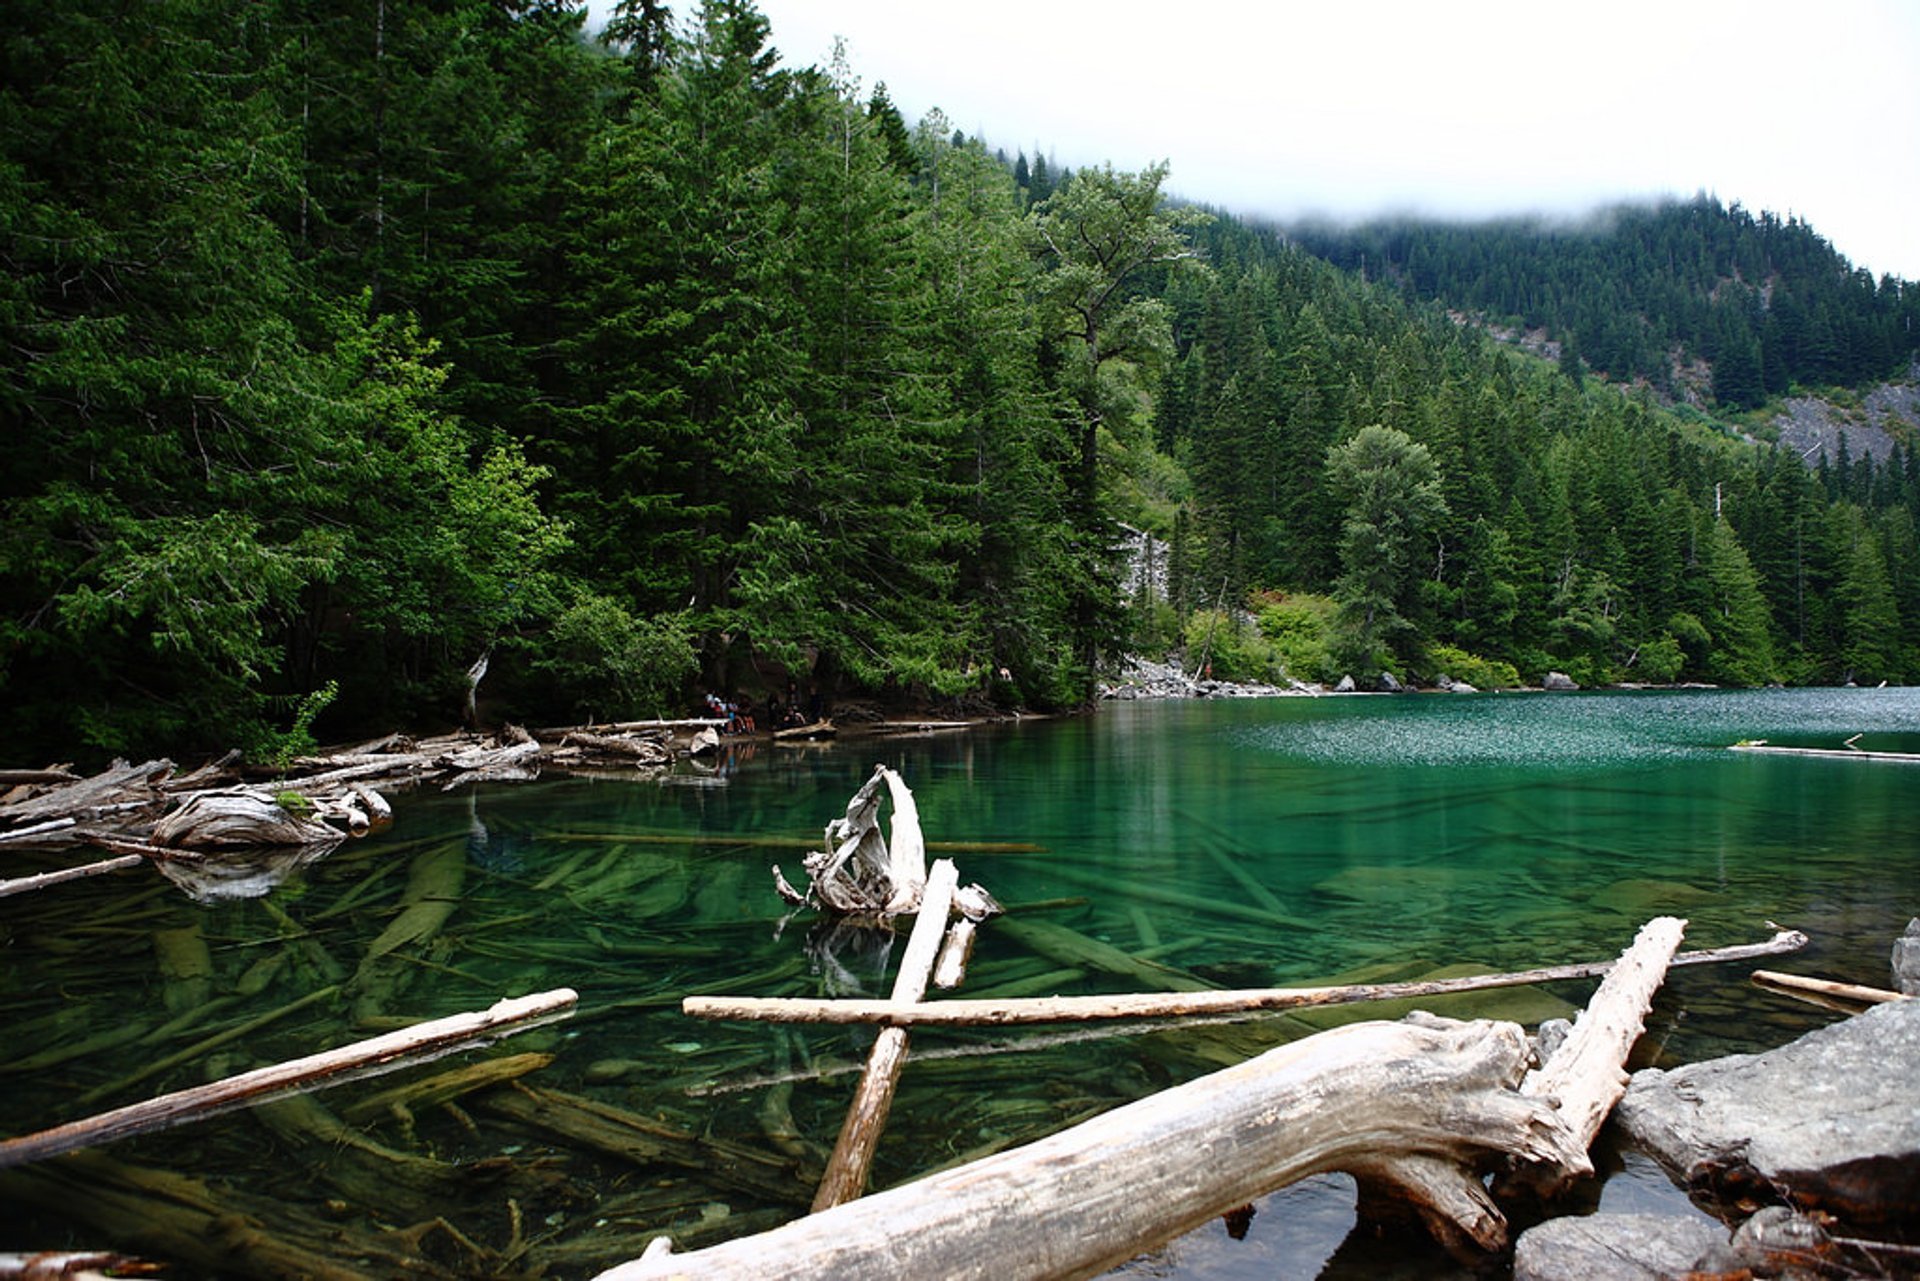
point(1808, 426)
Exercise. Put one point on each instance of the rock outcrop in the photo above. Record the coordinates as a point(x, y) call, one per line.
point(1829, 1122)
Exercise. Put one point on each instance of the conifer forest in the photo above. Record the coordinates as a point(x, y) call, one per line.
point(348, 346)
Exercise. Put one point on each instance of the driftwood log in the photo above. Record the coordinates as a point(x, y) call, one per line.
point(421, 1044)
point(1008, 1012)
point(1587, 1075)
point(1097, 1194)
point(1421, 1110)
point(846, 1173)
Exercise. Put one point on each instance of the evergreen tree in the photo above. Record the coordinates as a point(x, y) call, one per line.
point(1392, 498)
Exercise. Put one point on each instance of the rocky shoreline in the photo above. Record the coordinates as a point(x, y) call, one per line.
point(1809, 1154)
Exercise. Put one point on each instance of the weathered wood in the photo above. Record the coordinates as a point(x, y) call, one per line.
point(1828, 753)
point(846, 1173)
point(1827, 987)
point(239, 818)
point(1587, 1075)
point(1014, 1011)
point(27, 884)
point(1100, 1192)
point(118, 784)
point(858, 873)
point(33, 830)
point(950, 970)
point(421, 1044)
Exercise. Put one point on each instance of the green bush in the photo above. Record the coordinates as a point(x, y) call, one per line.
point(1660, 660)
point(1223, 641)
point(607, 662)
point(1299, 626)
point(1481, 673)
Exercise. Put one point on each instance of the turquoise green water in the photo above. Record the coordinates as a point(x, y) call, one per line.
point(1246, 843)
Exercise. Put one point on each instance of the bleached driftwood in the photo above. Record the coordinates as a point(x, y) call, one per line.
point(1587, 1075)
point(1010, 1012)
point(119, 787)
point(241, 817)
point(858, 873)
point(846, 1173)
point(1419, 1110)
point(1359, 1098)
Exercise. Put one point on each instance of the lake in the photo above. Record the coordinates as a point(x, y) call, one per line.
point(1246, 843)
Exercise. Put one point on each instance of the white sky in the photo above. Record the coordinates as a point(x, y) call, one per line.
point(1468, 107)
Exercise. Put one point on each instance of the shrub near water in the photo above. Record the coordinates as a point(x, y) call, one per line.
point(1223, 640)
point(1481, 673)
point(1297, 625)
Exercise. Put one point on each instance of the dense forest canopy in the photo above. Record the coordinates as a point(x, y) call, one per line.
point(348, 347)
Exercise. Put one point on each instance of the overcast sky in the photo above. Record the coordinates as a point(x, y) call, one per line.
point(1355, 107)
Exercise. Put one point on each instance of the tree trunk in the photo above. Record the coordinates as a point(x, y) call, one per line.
point(1095, 1195)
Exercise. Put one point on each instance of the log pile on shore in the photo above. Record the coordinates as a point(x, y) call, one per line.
point(221, 824)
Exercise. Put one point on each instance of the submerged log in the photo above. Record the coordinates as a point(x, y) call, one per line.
point(846, 1174)
point(1014, 1011)
point(1097, 1194)
point(406, 1048)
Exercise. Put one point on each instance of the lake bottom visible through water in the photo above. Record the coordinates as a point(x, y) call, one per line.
point(1251, 843)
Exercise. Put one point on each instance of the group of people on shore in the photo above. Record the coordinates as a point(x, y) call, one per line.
point(738, 714)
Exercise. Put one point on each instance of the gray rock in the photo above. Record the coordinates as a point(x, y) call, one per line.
point(1558, 680)
point(1389, 684)
point(1831, 1120)
point(1346, 686)
point(1461, 687)
point(1618, 1247)
point(1906, 960)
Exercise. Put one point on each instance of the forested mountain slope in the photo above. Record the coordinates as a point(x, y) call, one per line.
point(344, 350)
point(1640, 292)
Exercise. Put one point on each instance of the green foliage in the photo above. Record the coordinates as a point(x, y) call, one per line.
point(1481, 673)
point(1660, 660)
point(1391, 490)
point(349, 346)
point(1300, 627)
point(605, 663)
point(276, 748)
point(1226, 645)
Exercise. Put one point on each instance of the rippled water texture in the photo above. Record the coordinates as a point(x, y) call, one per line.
point(1242, 843)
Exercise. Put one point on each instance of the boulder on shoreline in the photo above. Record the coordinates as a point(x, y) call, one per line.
point(1144, 679)
point(1829, 1122)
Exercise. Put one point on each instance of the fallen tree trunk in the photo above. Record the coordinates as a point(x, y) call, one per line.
point(1796, 983)
point(414, 1045)
point(27, 884)
point(1097, 1194)
point(846, 1173)
point(1156, 1005)
point(1417, 1110)
point(1587, 1075)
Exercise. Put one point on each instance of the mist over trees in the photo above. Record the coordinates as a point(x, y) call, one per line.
point(346, 348)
